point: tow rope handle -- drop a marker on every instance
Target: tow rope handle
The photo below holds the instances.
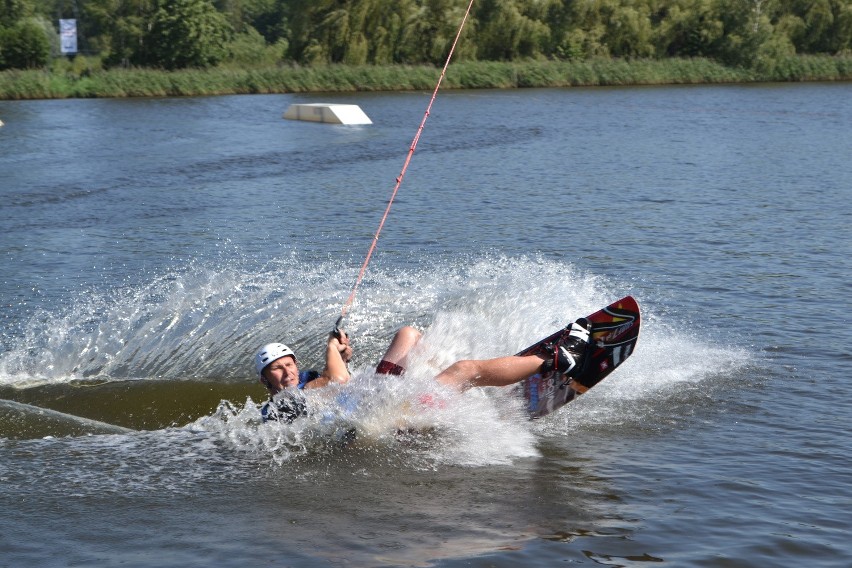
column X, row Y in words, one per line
column 337, row 332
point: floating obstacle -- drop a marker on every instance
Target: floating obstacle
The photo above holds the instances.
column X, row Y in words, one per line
column 330, row 113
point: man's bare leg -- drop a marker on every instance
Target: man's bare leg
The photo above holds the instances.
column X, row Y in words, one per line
column 499, row 372
column 396, row 357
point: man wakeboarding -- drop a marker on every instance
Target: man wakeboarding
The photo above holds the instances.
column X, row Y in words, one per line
column 278, row 368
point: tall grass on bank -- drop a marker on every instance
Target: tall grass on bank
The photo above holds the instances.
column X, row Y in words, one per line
column 463, row 75
column 594, row 72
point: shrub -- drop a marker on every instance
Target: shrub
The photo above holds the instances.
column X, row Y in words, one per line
column 24, row 45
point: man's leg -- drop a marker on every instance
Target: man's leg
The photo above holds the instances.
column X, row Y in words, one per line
column 566, row 357
column 499, row 372
column 394, row 360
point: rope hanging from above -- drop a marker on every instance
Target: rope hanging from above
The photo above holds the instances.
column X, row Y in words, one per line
column 399, row 178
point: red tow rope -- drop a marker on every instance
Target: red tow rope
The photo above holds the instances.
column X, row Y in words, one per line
column 402, row 173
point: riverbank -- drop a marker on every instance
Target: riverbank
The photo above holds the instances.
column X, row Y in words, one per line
column 19, row 85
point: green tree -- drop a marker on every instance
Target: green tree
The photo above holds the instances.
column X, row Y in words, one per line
column 827, row 25
column 182, row 33
column 747, row 32
column 268, row 17
column 249, row 49
column 13, row 10
column 690, row 28
column 444, row 17
column 509, row 29
column 843, row 26
column 373, row 31
column 582, row 28
column 95, row 24
column 186, row 33
column 819, row 20
column 117, row 28
column 629, row 33
column 24, row 45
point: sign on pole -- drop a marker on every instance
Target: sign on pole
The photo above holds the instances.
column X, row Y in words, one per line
column 68, row 36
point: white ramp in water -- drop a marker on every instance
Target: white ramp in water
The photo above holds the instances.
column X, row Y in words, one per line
column 331, row 113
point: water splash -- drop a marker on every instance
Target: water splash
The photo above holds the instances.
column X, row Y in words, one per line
column 193, row 324
column 204, row 323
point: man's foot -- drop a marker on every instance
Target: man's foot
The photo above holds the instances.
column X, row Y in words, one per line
column 568, row 355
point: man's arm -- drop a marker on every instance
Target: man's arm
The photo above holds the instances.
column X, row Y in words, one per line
column 338, row 352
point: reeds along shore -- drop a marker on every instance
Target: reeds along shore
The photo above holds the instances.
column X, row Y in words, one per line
column 34, row 84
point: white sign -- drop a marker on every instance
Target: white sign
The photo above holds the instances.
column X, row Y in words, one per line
column 68, row 36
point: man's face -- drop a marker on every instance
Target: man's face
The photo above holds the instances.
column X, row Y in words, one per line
column 281, row 374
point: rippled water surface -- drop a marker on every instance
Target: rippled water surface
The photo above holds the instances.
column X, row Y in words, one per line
column 147, row 247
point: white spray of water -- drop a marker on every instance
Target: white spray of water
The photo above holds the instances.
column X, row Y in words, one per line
column 206, row 322
column 201, row 322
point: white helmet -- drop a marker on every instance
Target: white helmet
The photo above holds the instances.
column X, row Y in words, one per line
column 269, row 353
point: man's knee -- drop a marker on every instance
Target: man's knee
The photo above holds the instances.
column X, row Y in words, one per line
column 408, row 335
column 394, row 360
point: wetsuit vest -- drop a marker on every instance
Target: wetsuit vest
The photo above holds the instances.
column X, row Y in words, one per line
column 287, row 406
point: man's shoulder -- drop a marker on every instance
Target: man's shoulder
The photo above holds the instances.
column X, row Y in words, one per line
column 307, row 376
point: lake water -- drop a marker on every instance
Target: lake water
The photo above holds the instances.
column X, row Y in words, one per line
column 148, row 247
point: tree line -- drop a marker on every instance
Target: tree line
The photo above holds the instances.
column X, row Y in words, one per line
column 174, row 34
